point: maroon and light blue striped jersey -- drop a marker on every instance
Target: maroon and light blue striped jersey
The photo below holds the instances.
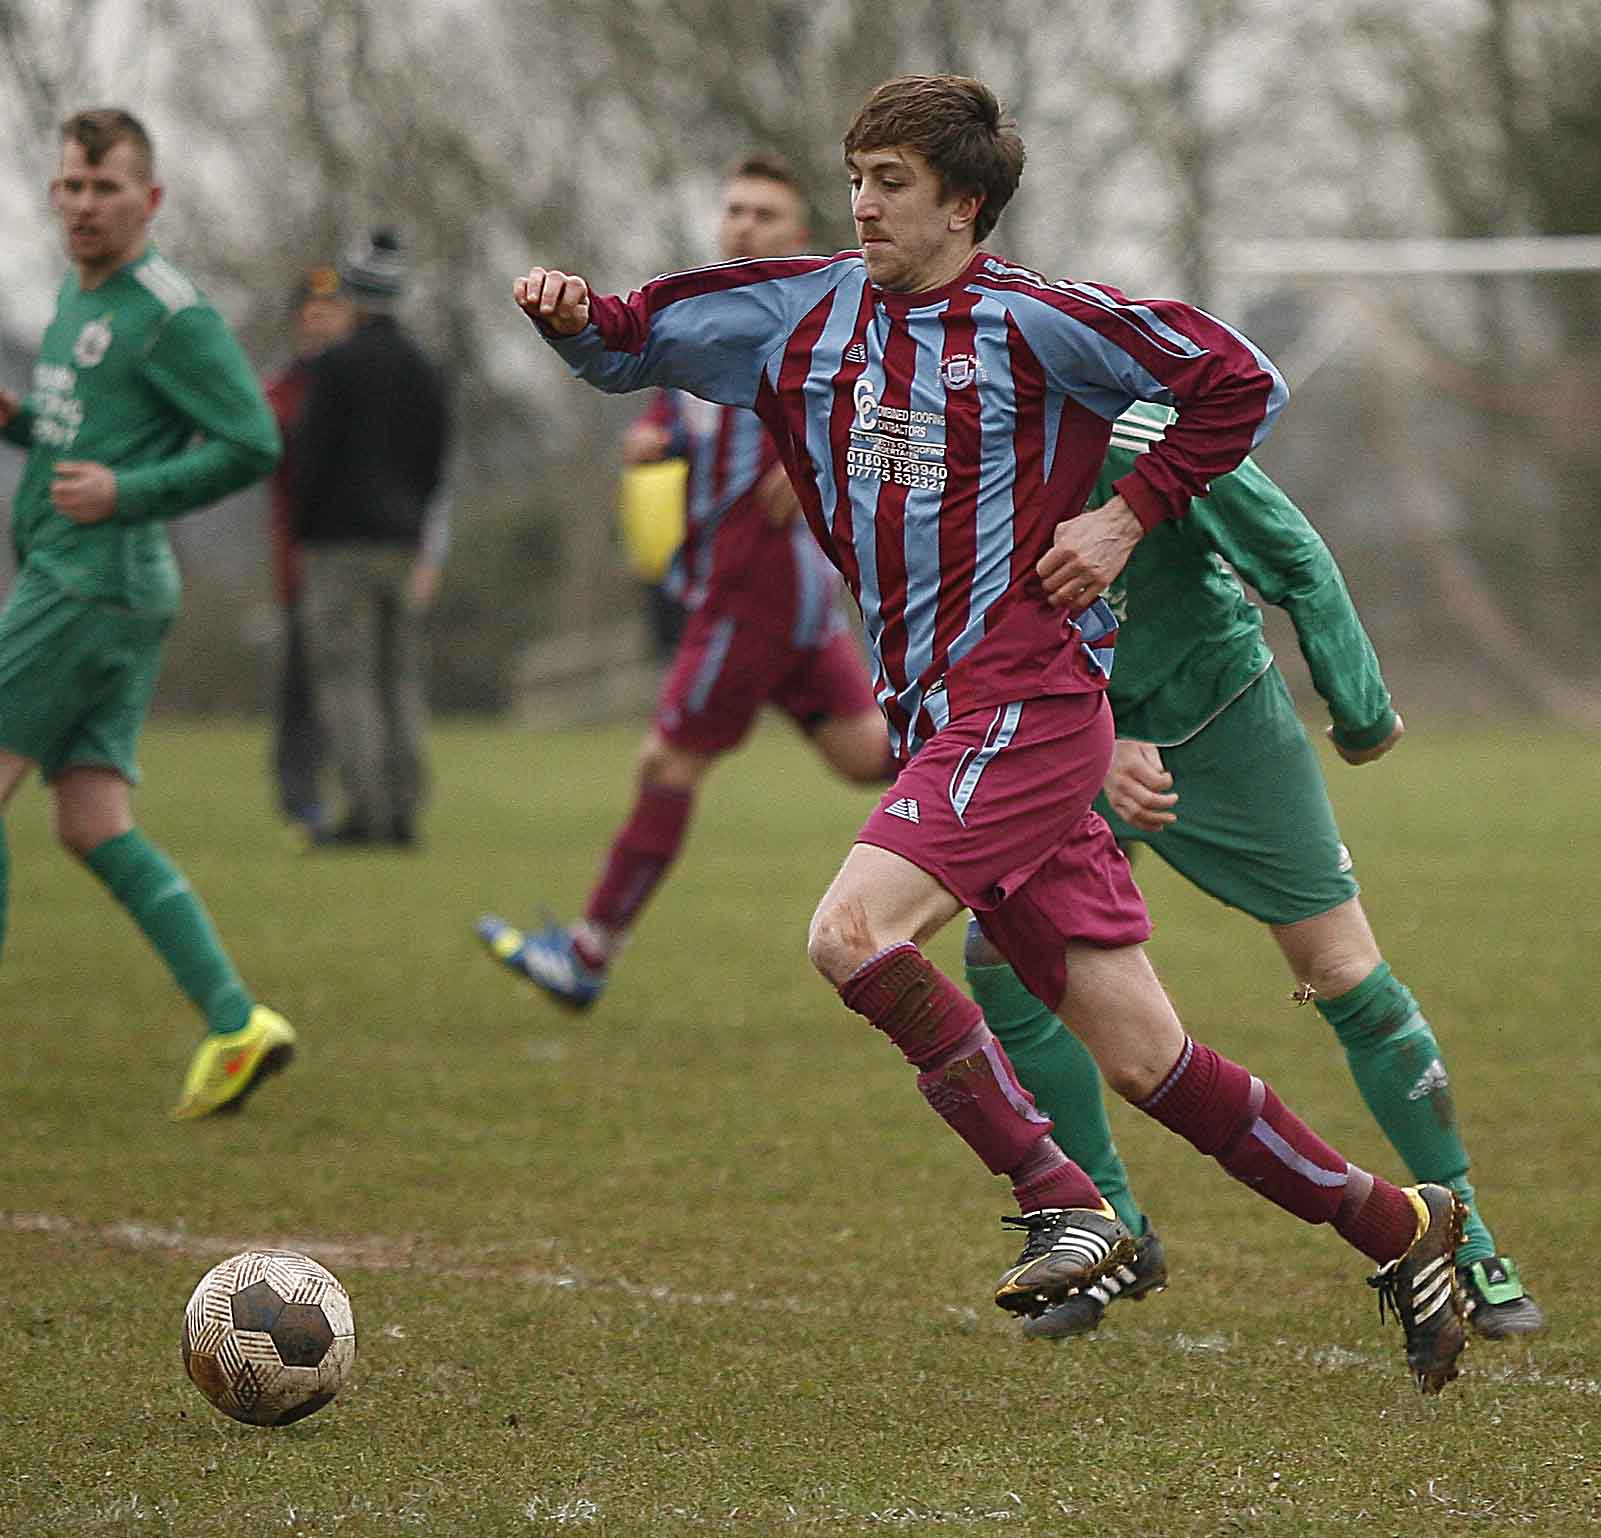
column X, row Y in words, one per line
column 936, row 440
column 733, row 558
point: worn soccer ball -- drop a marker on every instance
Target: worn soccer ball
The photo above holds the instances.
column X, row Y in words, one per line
column 268, row 1336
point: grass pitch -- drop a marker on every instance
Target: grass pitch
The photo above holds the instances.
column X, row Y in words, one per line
column 700, row 1261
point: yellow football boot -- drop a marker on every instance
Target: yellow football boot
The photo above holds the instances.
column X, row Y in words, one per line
column 227, row 1068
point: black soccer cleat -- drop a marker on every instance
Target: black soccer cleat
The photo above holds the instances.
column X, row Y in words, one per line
column 1422, row 1291
column 1082, row 1311
column 1067, row 1248
column 1498, row 1307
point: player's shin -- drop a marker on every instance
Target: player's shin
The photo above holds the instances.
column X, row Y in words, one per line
column 1235, row 1117
column 160, row 900
column 965, row 1076
column 1058, row 1071
column 640, row 856
column 1397, row 1065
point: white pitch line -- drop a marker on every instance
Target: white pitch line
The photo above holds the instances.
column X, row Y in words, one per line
column 376, row 1254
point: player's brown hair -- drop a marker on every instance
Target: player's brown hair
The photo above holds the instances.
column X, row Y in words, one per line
column 768, row 167
column 97, row 129
column 958, row 126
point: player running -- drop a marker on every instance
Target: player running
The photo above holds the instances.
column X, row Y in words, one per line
column 143, row 407
column 1214, row 772
column 763, row 625
column 939, row 412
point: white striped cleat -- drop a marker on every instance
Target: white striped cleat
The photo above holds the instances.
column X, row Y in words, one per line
column 1067, row 1248
column 1423, row 1291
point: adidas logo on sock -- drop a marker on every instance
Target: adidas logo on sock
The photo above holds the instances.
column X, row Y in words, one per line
column 1433, row 1078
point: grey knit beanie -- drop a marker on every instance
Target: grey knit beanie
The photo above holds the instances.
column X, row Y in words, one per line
column 375, row 270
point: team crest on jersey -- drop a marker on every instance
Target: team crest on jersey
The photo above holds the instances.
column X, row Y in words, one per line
column 93, row 343
column 960, row 370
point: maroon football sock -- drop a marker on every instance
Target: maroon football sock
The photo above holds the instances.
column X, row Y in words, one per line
column 645, row 846
column 965, row 1076
column 1230, row 1114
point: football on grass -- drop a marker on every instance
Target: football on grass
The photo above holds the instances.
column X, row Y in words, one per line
column 268, row 1336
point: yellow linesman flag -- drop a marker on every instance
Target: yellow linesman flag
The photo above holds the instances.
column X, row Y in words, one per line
column 650, row 510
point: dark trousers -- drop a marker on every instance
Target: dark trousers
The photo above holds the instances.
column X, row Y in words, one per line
column 298, row 746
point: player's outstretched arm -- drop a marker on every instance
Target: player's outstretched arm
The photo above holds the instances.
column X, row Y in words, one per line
column 558, row 301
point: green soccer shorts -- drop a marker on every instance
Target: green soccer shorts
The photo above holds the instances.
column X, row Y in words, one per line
column 1255, row 828
column 76, row 677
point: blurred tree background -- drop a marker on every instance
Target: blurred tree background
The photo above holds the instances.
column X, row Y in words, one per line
column 1444, row 432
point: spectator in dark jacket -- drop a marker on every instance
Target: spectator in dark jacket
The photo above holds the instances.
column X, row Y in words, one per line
column 369, row 465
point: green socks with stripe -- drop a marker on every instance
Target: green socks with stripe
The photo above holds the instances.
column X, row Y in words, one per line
column 1396, row 1063
column 158, row 896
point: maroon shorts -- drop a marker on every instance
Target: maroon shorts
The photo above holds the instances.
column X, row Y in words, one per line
column 728, row 666
column 996, row 808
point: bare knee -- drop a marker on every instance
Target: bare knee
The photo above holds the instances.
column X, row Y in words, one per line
column 1333, row 951
column 82, row 830
column 1337, row 966
column 90, row 806
column 840, row 938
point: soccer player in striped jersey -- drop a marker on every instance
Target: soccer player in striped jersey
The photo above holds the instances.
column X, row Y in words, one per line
column 143, row 407
column 943, row 415
column 1213, row 771
column 763, row 625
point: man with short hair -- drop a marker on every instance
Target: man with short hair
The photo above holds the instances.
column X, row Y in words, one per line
column 142, row 408
column 943, row 416
column 762, row 625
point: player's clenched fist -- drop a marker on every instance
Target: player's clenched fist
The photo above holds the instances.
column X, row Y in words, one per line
column 559, row 301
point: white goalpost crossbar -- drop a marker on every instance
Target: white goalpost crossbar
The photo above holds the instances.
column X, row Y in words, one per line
column 1321, row 258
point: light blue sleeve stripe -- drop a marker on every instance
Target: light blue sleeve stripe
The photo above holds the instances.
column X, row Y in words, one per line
column 1186, row 347
column 1081, row 362
column 1177, row 343
column 714, row 345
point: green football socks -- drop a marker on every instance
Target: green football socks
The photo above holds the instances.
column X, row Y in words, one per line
column 158, row 896
column 1055, row 1067
column 1396, row 1063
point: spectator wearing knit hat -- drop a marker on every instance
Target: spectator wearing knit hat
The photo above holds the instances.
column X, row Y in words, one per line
column 369, row 468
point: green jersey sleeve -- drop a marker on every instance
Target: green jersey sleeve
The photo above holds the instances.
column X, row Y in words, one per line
column 1270, row 543
column 197, row 367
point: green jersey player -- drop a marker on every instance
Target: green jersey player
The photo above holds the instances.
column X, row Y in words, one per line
column 1213, row 771
column 142, row 407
